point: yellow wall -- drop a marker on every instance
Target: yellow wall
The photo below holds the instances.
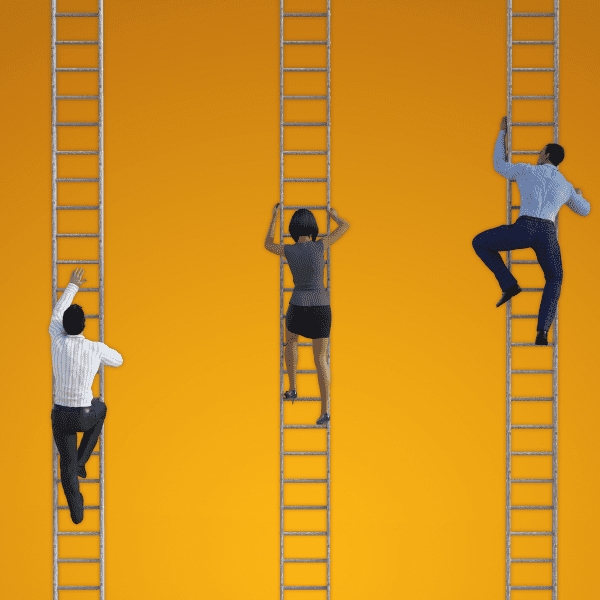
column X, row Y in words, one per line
column 192, row 302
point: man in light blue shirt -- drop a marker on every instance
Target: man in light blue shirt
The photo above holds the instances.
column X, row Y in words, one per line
column 543, row 191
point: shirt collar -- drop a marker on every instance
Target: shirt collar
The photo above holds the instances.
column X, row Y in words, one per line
column 76, row 336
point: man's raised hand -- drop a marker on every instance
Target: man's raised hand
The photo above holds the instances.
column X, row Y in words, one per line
column 76, row 277
column 503, row 123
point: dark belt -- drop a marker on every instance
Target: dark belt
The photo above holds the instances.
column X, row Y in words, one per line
column 537, row 219
column 69, row 408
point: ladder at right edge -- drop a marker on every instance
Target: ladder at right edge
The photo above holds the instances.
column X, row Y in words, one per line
column 303, row 181
column 553, row 372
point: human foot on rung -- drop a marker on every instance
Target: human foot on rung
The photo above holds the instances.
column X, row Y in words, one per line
column 291, row 394
column 508, row 294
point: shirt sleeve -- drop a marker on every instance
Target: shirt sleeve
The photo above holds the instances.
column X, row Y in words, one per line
column 578, row 204
column 502, row 166
column 110, row 357
column 56, row 325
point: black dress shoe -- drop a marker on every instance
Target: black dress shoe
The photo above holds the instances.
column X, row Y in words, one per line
column 509, row 293
column 542, row 338
column 77, row 514
column 81, row 472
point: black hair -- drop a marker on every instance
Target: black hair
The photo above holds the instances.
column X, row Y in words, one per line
column 74, row 320
column 556, row 153
column 303, row 223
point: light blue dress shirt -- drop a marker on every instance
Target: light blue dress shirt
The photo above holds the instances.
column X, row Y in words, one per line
column 75, row 359
column 543, row 188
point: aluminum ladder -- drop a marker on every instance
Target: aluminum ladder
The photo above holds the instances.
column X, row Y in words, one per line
column 100, row 290
column 510, row 344
column 283, row 180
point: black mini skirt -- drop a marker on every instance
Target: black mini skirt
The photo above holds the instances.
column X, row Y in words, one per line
column 311, row 322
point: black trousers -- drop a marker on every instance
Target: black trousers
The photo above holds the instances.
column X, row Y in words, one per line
column 526, row 232
column 66, row 422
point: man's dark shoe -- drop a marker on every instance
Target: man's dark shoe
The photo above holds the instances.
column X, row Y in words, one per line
column 509, row 293
column 77, row 514
column 542, row 338
column 81, row 472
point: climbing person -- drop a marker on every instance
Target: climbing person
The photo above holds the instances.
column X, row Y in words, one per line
column 543, row 191
column 75, row 362
column 309, row 310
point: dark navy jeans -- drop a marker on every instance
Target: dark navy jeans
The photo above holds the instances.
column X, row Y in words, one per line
column 66, row 422
column 525, row 232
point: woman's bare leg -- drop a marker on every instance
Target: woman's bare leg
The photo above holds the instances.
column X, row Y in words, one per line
column 291, row 356
column 323, row 373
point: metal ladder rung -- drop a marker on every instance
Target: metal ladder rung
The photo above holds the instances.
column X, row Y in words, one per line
column 306, row 98
column 305, row 152
column 531, row 560
column 77, row 262
column 305, row 179
column 78, row 42
column 309, row 207
column 540, row 124
column 59, row 180
column 523, row 316
column 309, row 124
column 533, row 69
column 304, row 371
column 305, row 453
column 532, row 507
column 532, row 98
column 77, row 235
column 77, row 97
column 301, row 507
column 76, row 69
column 78, row 533
column 532, row 480
column 531, row 587
column 550, row 344
column 82, row 290
column 523, row 152
column 532, row 289
column 78, row 587
column 532, row 426
column 85, row 507
column 524, row 262
column 79, row 560
column 532, row 371
column 76, row 14
column 305, row 481
column 531, row 533
column 77, row 152
column 81, row 480
column 532, row 453
column 304, row 533
column 87, row 124
column 535, row 43
column 533, row 399
column 305, row 560
column 304, row 14
column 302, row 399
column 305, row 43
column 305, row 69
column 305, row 587
column 532, row 14
column 318, row 235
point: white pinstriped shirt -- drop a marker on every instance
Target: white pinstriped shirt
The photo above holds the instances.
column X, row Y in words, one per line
column 543, row 188
column 75, row 360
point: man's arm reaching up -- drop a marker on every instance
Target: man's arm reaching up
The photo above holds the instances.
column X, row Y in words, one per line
column 577, row 203
column 56, row 325
column 501, row 165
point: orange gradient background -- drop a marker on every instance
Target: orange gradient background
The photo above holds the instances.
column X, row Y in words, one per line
column 192, row 300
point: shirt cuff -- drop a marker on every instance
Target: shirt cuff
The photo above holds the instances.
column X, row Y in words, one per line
column 74, row 285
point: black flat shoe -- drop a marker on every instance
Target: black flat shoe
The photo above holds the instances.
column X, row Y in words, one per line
column 323, row 420
column 81, row 472
column 291, row 394
column 508, row 294
column 542, row 338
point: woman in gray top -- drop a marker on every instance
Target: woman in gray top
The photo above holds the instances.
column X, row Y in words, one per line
column 309, row 311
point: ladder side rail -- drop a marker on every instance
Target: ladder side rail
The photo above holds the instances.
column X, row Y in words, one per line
column 555, row 341
column 508, row 147
column 281, row 292
column 329, row 291
column 54, row 299
column 101, row 276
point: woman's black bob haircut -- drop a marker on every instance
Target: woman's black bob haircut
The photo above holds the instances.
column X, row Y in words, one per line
column 556, row 153
column 303, row 223
column 74, row 320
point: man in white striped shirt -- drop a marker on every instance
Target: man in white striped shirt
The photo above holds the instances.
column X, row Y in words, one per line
column 75, row 362
column 543, row 191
